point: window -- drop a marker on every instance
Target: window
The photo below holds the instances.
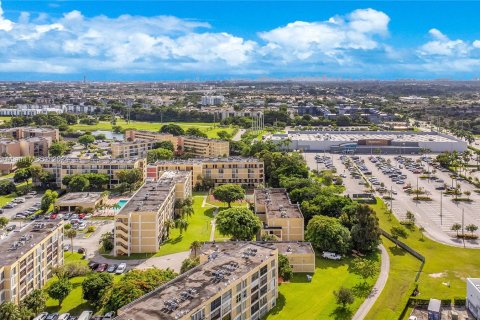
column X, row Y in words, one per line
column 199, row 315
column 216, row 303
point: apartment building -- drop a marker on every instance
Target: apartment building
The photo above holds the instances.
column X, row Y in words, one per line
column 300, row 255
column 129, row 149
column 35, row 146
column 280, row 217
column 198, row 146
column 27, row 258
column 31, row 132
column 235, row 280
column 140, row 225
column 60, row 167
column 8, row 164
column 244, row 171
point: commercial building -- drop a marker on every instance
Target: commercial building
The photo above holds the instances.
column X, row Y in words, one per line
column 28, row 256
column 60, row 167
column 235, row 280
column 370, row 142
column 31, row 132
column 140, row 226
column 280, row 217
column 473, row 296
column 202, row 147
column 244, row 171
column 85, row 200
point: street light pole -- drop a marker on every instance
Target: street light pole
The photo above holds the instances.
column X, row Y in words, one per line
column 441, row 207
column 463, row 233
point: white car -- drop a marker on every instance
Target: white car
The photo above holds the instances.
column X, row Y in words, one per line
column 121, row 268
column 81, row 227
column 331, row 255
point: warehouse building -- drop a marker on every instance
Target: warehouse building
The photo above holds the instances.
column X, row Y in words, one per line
column 370, row 142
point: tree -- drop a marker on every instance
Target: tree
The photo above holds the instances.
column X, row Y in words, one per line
column 22, row 175
column 224, row 135
column 7, row 187
column 71, row 234
column 48, row 199
column 456, row 227
column 41, row 176
column 181, row 224
column 78, row 183
column 240, row 223
column 86, row 139
column 159, row 154
column 164, row 145
column 364, row 268
column 171, row 128
column 285, row 270
column 10, row 311
column 107, row 241
column 471, row 228
column 35, row 301
column 58, row 149
column 398, row 232
column 59, row 290
column 468, row 194
column 366, row 231
column 194, row 246
column 192, row 131
column 328, row 234
column 3, row 222
column 188, row 264
column 131, row 178
column 410, row 216
column 344, row 296
column 229, row 193
column 93, row 286
column 25, row 162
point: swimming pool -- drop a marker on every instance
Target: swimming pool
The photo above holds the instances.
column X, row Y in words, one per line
column 122, row 203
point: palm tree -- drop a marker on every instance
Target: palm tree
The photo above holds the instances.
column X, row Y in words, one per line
column 456, row 227
column 194, row 246
column 116, row 206
column 71, row 234
column 422, row 230
column 181, row 224
column 187, row 210
column 169, row 224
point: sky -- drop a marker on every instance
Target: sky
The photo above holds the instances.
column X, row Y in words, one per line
column 224, row 40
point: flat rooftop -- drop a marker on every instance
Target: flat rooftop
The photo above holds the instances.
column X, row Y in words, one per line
column 227, row 262
column 291, row 247
column 134, row 142
column 87, row 161
column 150, row 197
column 353, row 136
column 19, row 241
column 76, row 197
column 277, row 203
column 207, row 160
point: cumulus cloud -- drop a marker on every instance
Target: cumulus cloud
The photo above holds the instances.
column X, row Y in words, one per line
column 441, row 45
column 5, row 24
column 332, row 38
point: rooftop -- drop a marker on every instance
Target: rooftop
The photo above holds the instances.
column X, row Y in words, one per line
column 346, row 136
column 291, row 247
column 207, row 160
column 134, row 142
column 226, row 263
column 150, row 197
column 76, row 197
column 86, row 161
column 277, row 203
column 19, row 241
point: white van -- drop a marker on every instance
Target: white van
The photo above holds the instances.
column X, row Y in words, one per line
column 331, row 255
column 86, row 315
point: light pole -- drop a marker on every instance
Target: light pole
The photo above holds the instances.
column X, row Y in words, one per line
column 391, row 199
column 463, row 233
column 441, row 207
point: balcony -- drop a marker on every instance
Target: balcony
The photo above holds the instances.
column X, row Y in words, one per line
column 121, row 232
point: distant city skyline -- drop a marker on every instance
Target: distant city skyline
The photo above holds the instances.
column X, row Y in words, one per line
column 202, row 40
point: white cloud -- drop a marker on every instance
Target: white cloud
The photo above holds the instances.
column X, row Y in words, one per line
column 476, row 44
column 331, row 38
column 5, row 24
column 441, row 45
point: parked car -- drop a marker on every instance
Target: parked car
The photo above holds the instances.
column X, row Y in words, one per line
column 85, row 315
column 53, row 216
column 81, row 250
column 112, row 268
column 82, row 226
column 11, row 227
column 121, row 268
column 331, row 255
column 41, row 316
column 93, row 265
column 52, row 316
column 66, row 247
column 101, row 267
column 64, row 316
column 72, row 318
column 109, row 315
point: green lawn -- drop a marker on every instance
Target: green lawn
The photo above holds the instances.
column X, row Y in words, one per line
column 444, row 265
column 300, row 299
column 208, row 128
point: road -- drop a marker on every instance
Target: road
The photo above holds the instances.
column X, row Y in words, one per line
column 238, row 135
column 377, row 288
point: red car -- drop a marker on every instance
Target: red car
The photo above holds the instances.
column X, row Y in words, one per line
column 81, row 215
column 53, row 216
column 101, row 267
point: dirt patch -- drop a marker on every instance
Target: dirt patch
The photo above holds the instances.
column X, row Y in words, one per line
column 437, row 275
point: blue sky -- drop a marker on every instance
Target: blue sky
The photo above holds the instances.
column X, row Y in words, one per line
column 201, row 40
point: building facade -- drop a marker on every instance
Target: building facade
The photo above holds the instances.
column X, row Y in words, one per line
column 31, row 132
column 132, row 135
column 235, row 280
column 129, row 149
column 140, row 226
column 473, row 296
column 60, row 167
column 248, row 172
column 28, row 257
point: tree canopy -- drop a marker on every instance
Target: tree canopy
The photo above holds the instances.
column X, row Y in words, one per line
column 159, row 154
column 240, row 223
column 328, row 234
column 172, row 128
column 229, row 193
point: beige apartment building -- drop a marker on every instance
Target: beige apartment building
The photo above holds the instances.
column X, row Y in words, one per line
column 60, row 167
column 27, row 258
column 279, row 216
column 130, row 149
column 201, row 147
column 140, row 226
column 36, row 146
column 31, row 132
column 8, row 164
column 244, row 171
column 235, row 280
column 300, row 255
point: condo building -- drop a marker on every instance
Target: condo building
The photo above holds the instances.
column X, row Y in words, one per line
column 35, row 146
column 132, row 135
column 140, row 226
column 235, row 280
column 28, row 256
column 280, row 217
column 31, row 132
column 244, row 171
column 130, row 149
column 60, row 167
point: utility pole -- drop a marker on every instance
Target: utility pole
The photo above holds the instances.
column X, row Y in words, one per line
column 463, row 221
column 441, row 207
column 391, row 199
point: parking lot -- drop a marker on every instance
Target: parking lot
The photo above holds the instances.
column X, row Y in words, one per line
column 437, row 215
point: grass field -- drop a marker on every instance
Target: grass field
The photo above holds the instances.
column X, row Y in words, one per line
column 300, row 299
column 208, row 128
column 443, row 276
